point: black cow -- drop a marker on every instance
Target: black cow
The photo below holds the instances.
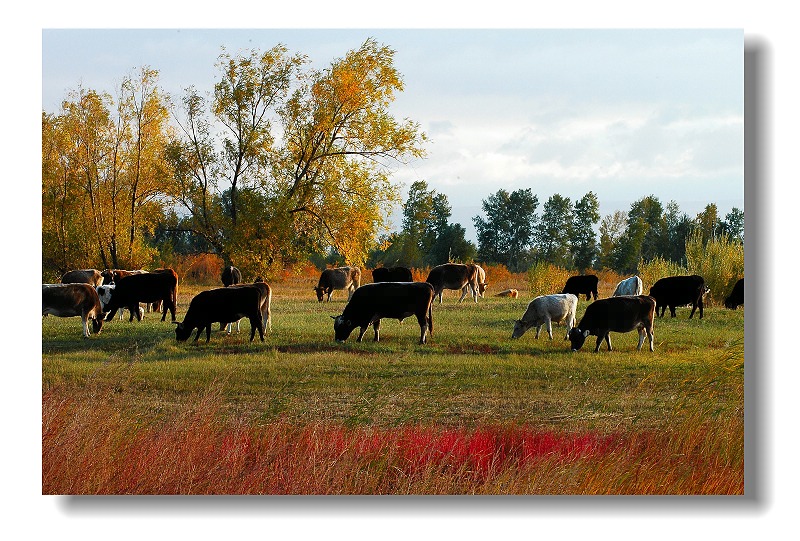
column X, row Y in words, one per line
column 454, row 276
column 736, row 298
column 230, row 276
column 348, row 278
column 222, row 305
column 392, row 274
column 265, row 301
column 68, row 300
column 676, row 291
column 92, row 277
column 617, row 314
column 149, row 287
column 394, row 300
column 582, row 285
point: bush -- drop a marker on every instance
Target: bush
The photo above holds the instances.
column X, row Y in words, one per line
column 720, row 262
column 546, row 278
column 657, row 268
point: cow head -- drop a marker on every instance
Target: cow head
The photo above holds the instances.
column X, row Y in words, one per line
column 182, row 332
column 577, row 337
column 519, row 329
column 320, row 291
column 97, row 324
column 104, row 293
column 481, row 288
column 342, row 328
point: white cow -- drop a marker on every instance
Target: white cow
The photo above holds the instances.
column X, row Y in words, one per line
column 629, row 286
column 546, row 309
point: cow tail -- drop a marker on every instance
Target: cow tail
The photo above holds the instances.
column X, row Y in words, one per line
column 430, row 317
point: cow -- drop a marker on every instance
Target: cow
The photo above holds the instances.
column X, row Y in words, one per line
column 617, row 314
column 395, row 300
column 675, row 291
column 264, row 303
column 112, row 276
column 513, row 293
column 146, row 288
column 230, row 276
column 223, row 305
column 454, row 276
column 546, row 309
column 392, row 274
column 582, row 285
column 629, row 286
column 93, row 277
column 68, row 300
column 348, row 278
column 736, row 298
column 480, row 280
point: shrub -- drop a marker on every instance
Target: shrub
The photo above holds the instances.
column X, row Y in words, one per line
column 546, row 278
column 657, row 268
column 720, row 262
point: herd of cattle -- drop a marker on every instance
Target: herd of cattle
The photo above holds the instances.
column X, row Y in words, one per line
column 97, row 296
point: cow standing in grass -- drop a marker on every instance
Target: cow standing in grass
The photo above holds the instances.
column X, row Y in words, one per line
column 68, row 300
column 675, row 291
column 582, row 285
column 146, row 288
column 93, row 277
column 222, row 305
column 736, row 298
column 395, row 300
column 629, row 286
column 480, row 281
column 348, row 278
column 546, row 310
column 617, row 314
column 454, row 276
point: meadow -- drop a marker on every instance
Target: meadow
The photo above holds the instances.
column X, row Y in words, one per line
column 132, row 411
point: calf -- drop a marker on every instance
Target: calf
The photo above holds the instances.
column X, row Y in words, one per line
column 513, row 293
column 676, row 291
column 582, row 285
column 629, row 286
column 392, row 274
column 736, row 298
column 395, row 300
column 222, row 305
column 146, row 288
column 93, row 277
column 546, row 309
column 454, row 276
column 348, row 278
column 68, row 300
column 617, row 314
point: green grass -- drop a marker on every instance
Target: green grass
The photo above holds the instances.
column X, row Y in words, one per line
column 471, row 372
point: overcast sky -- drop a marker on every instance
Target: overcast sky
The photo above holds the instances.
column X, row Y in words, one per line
column 623, row 113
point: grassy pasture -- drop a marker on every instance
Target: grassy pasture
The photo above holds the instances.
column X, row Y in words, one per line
column 470, row 376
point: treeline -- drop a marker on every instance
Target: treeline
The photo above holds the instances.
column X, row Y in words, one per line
column 281, row 163
column 511, row 232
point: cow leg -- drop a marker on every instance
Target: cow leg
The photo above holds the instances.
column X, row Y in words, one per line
column 651, row 336
column 208, row 332
column 361, row 334
column 440, row 297
column 423, row 326
column 672, row 310
column 110, row 315
column 608, row 340
column 197, row 336
column 550, row 329
column 599, row 341
column 538, row 328
column 463, row 294
column 376, row 326
column 85, row 319
column 642, row 334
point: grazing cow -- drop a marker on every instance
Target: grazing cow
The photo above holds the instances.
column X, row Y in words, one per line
column 454, row 276
column 93, row 277
column 513, row 293
column 112, row 276
column 679, row 291
column 264, row 303
column 546, row 309
column 392, row 274
column 582, row 285
column 230, row 276
column 618, row 314
column 348, row 278
column 629, row 286
column 223, row 305
column 480, row 279
column 394, row 300
column 736, row 298
column 146, row 288
column 67, row 300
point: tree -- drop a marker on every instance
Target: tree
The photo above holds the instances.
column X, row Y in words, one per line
column 452, row 246
column 554, row 232
column 733, row 225
column 612, row 228
column 506, row 234
column 425, row 214
column 679, row 227
column 583, row 244
column 645, row 235
column 707, row 222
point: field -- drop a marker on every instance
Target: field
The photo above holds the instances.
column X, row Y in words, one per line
column 132, row 411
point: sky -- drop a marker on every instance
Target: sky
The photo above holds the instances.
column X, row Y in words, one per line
column 621, row 113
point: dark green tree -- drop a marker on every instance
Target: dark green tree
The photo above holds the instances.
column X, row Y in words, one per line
column 645, row 237
column 554, row 232
column 505, row 234
column 584, row 240
column 733, row 225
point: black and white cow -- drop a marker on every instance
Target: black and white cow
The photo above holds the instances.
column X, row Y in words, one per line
column 736, row 298
column 68, row 300
column 93, row 277
column 348, row 278
column 582, row 285
column 392, row 274
column 546, row 310
column 149, row 287
column 454, row 276
column 617, row 314
column 676, row 291
column 394, row 300
column 222, row 305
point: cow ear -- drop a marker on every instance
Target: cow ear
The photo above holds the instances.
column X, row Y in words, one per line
column 334, row 317
column 585, row 334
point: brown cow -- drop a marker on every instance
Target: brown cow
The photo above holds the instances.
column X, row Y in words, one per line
column 68, row 300
column 348, row 278
column 513, row 293
column 454, row 276
column 93, row 277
